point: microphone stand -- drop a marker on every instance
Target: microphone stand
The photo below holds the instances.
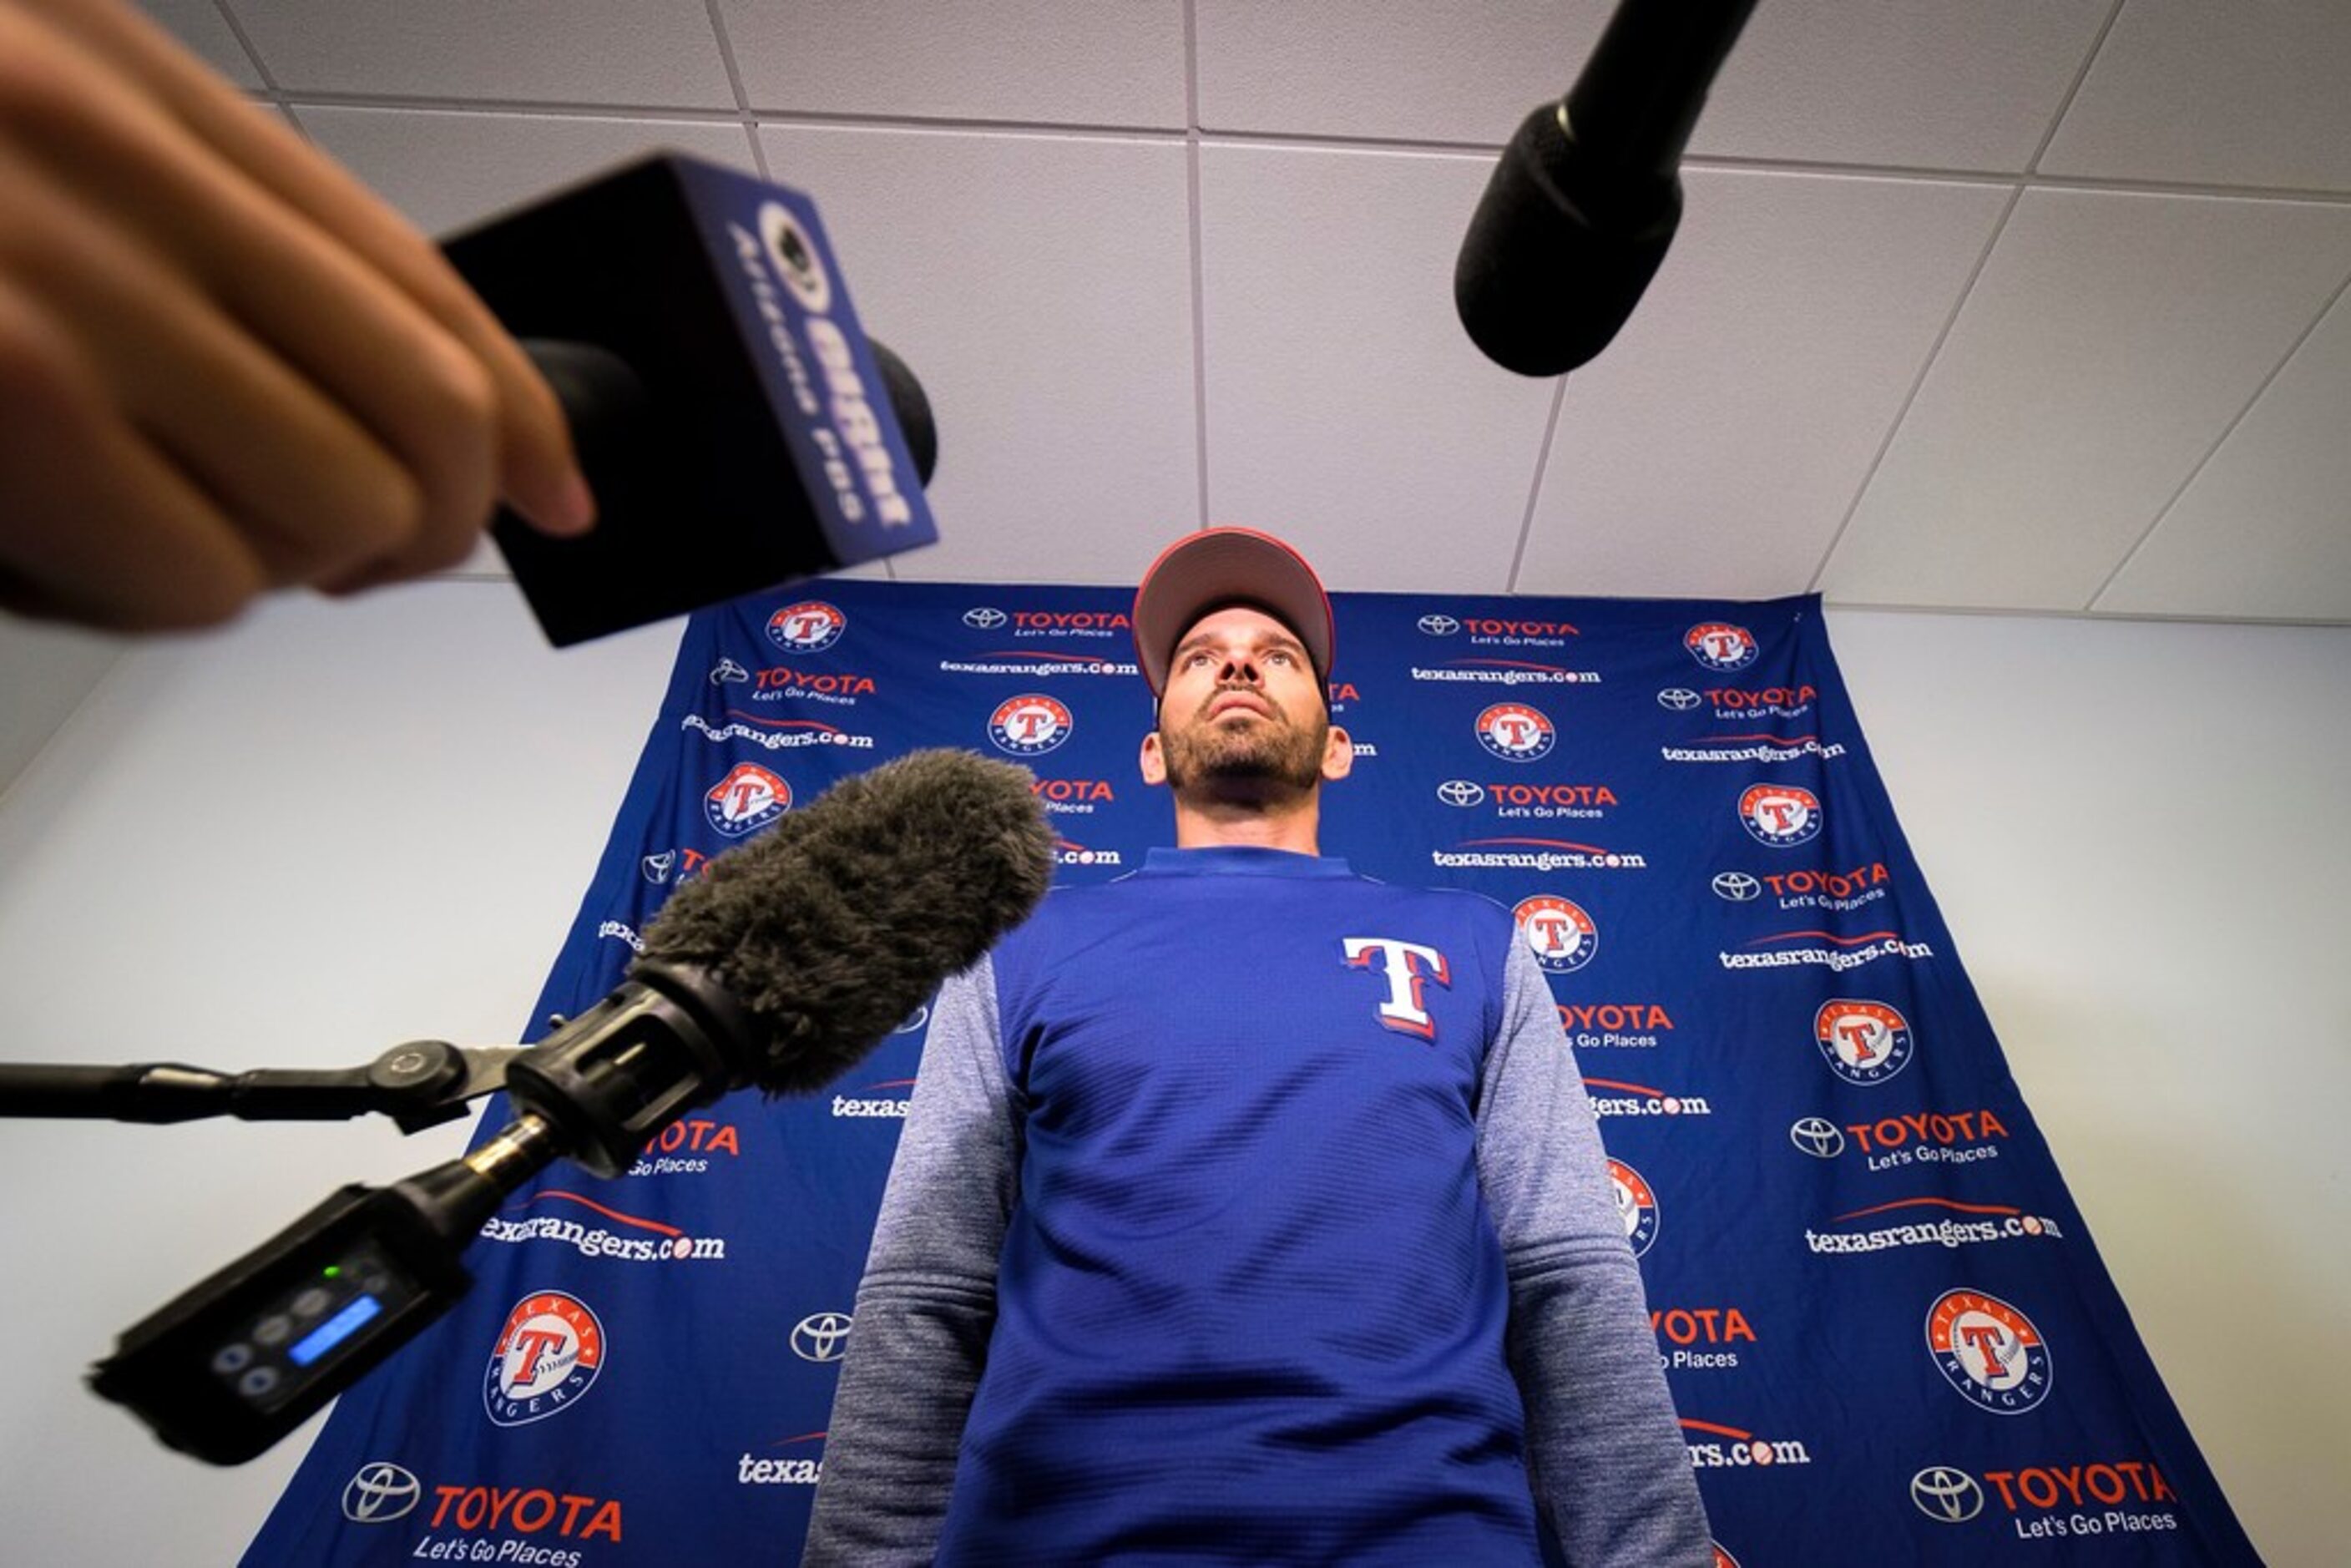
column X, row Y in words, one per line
column 234, row 1364
column 230, row 1365
column 420, row 1085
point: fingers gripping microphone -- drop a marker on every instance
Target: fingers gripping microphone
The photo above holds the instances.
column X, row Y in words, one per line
column 793, row 957
column 1585, row 202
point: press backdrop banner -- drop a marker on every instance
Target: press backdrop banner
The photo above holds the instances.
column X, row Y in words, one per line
column 1887, row 1331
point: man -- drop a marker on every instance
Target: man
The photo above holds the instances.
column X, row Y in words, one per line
column 1249, row 1211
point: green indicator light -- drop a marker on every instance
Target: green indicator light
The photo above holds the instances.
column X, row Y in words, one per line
column 334, row 1270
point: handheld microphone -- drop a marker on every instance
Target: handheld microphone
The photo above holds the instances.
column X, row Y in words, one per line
column 1581, row 207
column 792, row 958
column 735, row 423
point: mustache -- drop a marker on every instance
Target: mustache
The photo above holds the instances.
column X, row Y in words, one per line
column 1238, row 688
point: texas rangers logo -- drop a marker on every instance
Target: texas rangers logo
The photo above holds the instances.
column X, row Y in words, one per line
column 745, row 800
column 1719, row 645
column 1636, row 1205
column 1515, row 732
column 1864, row 1042
column 808, row 627
column 1780, row 815
column 1029, row 726
column 1405, row 965
column 1988, row 1351
column 1560, row 934
column 546, row 1357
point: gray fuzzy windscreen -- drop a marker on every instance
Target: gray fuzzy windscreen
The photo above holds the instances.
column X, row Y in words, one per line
column 835, row 924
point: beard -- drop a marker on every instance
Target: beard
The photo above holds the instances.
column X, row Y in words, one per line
column 1272, row 755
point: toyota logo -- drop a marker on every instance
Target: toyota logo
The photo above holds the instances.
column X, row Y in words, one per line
column 1680, row 699
column 1461, row 792
column 728, row 670
column 983, row 619
column 379, row 1493
column 1817, row 1137
column 821, row 1336
column 1945, row 1494
column 1736, row 886
column 1439, row 625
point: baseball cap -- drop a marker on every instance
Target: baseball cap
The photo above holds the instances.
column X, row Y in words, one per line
column 1224, row 566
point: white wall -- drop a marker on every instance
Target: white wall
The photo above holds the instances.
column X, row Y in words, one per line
column 340, row 826
column 333, row 828
column 2137, row 833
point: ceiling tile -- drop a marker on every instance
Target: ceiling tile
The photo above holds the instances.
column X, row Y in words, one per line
column 1911, row 83
column 1040, row 286
column 2108, row 343
column 645, row 53
column 2264, row 530
column 1716, row 445
column 1347, row 409
column 1921, row 84
column 1064, row 62
column 2236, row 95
column 1392, row 69
column 448, row 169
column 198, row 25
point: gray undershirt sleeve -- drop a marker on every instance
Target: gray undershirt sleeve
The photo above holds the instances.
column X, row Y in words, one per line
column 927, row 1302
column 1610, row 1468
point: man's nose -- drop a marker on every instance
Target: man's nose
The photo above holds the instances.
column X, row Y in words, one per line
column 1240, row 670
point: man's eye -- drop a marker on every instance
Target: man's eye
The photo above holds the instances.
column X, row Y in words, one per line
column 1278, row 656
column 1193, row 660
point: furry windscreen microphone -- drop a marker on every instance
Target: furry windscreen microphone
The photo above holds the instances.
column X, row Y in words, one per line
column 796, row 953
column 792, row 958
column 835, row 924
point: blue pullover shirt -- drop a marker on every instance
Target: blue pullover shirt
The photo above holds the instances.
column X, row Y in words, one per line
column 1252, row 1211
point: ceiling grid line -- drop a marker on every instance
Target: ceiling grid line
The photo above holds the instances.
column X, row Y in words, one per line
column 2073, row 92
column 2171, row 502
column 734, row 84
column 1198, row 257
column 2021, row 181
column 1534, row 488
column 260, row 69
column 1910, row 397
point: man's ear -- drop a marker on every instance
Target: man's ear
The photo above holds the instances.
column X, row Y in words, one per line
column 1155, row 763
column 1338, row 755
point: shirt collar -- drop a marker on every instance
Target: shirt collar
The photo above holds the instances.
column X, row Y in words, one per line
column 1240, row 860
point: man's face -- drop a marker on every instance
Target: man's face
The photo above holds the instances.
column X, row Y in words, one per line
column 1243, row 709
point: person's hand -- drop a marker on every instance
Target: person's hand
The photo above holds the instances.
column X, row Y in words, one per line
column 224, row 366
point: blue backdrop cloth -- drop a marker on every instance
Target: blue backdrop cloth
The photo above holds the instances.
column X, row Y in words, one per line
column 1887, row 1331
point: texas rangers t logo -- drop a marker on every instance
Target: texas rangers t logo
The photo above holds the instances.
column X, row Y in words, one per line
column 1405, row 965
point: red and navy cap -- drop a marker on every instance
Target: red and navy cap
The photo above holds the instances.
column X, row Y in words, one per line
column 1227, row 566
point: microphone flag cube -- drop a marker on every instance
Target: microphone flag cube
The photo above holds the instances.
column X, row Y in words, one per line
column 731, row 417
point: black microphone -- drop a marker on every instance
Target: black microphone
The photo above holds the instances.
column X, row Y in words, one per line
column 793, row 957
column 1587, row 195
column 737, row 426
